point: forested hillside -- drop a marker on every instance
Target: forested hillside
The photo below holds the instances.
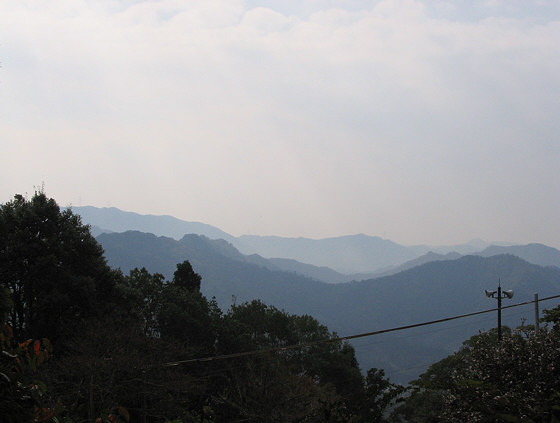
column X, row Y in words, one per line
column 430, row 291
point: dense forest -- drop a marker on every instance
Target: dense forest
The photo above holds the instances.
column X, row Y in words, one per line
column 82, row 342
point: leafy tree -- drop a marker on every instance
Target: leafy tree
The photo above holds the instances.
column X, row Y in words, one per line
column 113, row 365
column 379, row 395
column 514, row 380
column 53, row 267
column 121, row 359
column 186, row 317
column 426, row 395
column 186, row 277
column 308, row 384
column 552, row 316
column 143, row 293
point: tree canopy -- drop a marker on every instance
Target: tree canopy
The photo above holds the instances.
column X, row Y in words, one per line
column 142, row 348
column 53, row 267
column 516, row 379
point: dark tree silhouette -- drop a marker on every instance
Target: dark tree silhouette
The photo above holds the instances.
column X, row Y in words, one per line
column 186, row 277
column 53, row 267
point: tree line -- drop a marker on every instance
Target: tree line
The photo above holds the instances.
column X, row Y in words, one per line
column 82, row 342
column 112, row 337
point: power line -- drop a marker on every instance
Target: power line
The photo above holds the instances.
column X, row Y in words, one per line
column 346, row 338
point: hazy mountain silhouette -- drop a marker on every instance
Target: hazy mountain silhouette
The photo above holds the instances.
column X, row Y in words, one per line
column 473, row 246
column 96, row 230
column 332, row 260
column 534, row 253
column 347, row 255
column 111, row 219
column 161, row 254
column 426, row 258
column 320, row 273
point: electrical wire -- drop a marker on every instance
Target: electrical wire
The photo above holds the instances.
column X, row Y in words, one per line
column 347, row 338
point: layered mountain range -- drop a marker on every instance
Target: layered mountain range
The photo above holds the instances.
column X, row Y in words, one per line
column 352, row 257
column 406, row 285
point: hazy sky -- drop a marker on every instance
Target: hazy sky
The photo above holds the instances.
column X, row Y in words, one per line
column 421, row 122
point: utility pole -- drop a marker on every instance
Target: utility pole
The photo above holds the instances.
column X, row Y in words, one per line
column 499, row 311
column 499, row 295
column 536, row 313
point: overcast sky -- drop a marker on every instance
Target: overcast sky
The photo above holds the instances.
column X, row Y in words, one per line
column 420, row 122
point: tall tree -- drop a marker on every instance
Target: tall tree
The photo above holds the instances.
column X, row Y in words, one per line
column 53, row 267
column 311, row 384
column 379, row 396
column 186, row 277
column 143, row 293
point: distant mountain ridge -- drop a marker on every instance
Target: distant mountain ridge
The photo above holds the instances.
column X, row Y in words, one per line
column 426, row 258
column 347, row 255
column 540, row 254
column 112, row 219
column 333, row 260
column 320, row 273
column 171, row 251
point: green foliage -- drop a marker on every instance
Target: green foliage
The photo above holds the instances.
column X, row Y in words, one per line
column 115, row 365
column 186, row 277
column 121, row 358
column 186, row 317
column 316, row 383
column 143, row 292
column 515, row 380
column 552, row 315
column 23, row 397
column 380, row 394
column 53, row 267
